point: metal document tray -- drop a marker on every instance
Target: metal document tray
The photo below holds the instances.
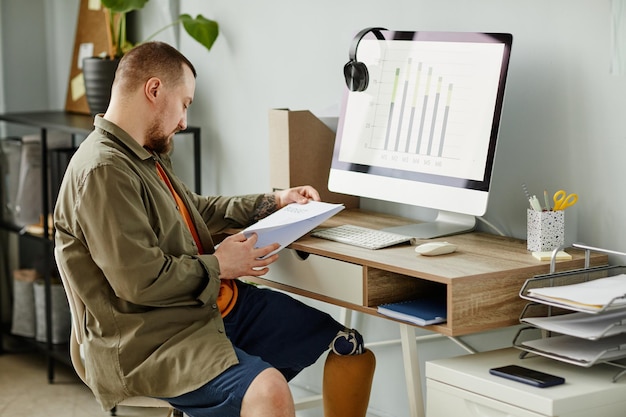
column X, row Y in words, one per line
column 576, row 276
column 608, row 343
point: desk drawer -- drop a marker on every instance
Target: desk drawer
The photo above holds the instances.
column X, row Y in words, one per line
column 327, row 277
column 447, row 401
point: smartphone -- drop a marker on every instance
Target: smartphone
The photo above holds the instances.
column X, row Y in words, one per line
column 527, row 376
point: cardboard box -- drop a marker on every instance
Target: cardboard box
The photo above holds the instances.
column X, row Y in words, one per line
column 301, row 150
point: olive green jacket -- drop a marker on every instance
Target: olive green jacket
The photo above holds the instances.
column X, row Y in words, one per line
column 151, row 326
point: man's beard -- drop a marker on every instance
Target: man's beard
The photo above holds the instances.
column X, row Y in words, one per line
column 157, row 140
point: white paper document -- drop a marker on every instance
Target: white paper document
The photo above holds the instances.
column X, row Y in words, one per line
column 581, row 350
column 583, row 325
column 291, row 222
column 591, row 295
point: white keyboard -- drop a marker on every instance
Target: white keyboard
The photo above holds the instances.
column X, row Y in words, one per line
column 361, row 236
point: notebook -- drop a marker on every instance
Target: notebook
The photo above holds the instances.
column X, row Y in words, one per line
column 423, row 311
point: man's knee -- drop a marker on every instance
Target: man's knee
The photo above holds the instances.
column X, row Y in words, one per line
column 269, row 392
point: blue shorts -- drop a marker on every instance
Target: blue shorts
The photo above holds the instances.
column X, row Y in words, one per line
column 267, row 329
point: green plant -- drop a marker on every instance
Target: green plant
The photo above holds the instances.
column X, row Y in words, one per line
column 201, row 29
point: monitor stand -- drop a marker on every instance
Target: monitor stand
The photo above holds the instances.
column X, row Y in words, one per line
column 447, row 223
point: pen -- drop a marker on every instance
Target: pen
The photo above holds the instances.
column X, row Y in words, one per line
column 546, row 200
column 534, row 203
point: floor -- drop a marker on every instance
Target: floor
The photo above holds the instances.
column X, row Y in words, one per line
column 25, row 392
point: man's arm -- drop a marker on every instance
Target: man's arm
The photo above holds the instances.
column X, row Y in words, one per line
column 237, row 255
column 266, row 206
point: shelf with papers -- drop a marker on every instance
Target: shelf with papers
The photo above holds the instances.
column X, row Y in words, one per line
column 578, row 324
column 574, row 350
column 576, row 290
column 44, row 128
column 581, row 314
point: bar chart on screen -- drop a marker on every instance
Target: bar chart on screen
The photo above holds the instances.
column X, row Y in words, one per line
column 420, row 106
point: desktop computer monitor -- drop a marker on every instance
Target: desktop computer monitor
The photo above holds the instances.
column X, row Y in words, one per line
column 424, row 131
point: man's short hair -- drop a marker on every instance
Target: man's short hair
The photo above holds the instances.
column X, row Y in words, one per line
column 151, row 59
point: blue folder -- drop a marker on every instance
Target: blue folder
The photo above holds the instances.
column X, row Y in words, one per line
column 423, row 311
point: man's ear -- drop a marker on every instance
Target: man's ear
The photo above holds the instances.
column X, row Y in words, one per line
column 153, row 88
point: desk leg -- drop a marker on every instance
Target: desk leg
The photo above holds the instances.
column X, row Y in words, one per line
column 345, row 317
column 412, row 370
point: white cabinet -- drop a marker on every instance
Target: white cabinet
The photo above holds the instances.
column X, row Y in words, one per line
column 462, row 386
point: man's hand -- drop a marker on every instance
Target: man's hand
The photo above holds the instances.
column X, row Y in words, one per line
column 300, row 195
column 238, row 257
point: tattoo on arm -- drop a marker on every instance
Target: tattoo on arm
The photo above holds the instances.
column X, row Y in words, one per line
column 265, row 207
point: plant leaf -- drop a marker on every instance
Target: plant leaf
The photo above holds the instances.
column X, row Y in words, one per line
column 203, row 30
column 123, row 6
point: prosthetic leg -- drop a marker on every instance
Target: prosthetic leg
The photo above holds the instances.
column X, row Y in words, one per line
column 348, row 375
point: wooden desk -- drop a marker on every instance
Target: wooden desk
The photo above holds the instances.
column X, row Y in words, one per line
column 481, row 279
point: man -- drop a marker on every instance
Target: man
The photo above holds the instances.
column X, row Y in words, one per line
column 165, row 314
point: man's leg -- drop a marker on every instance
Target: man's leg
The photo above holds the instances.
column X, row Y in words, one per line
column 348, row 374
column 290, row 336
column 268, row 396
column 252, row 388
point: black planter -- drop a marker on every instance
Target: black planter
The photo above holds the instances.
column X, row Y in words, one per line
column 98, row 74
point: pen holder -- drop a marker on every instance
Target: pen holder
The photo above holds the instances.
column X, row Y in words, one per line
column 546, row 230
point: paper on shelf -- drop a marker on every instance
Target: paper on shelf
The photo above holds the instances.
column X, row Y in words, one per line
column 581, row 350
column 583, row 325
column 591, row 295
column 291, row 222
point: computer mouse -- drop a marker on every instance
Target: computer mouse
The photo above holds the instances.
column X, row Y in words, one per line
column 435, row 248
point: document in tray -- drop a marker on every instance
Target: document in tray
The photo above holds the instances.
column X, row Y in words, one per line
column 590, row 295
column 581, row 350
column 583, row 325
column 291, row 222
column 423, row 311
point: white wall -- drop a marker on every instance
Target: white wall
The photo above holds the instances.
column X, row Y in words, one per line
column 562, row 124
column 37, row 45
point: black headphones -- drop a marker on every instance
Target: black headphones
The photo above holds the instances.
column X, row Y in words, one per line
column 355, row 72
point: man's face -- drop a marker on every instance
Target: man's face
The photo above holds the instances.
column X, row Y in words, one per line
column 171, row 114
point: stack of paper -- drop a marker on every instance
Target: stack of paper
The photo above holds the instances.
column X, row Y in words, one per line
column 581, row 350
column 291, row 222
column 583, row 325
column 591, row 295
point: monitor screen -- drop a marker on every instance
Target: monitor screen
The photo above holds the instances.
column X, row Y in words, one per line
column 424, row 131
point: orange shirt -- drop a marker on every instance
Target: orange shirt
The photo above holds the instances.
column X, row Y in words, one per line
column 228, row 290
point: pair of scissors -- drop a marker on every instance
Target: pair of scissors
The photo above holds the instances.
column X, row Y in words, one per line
column 562, row 200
